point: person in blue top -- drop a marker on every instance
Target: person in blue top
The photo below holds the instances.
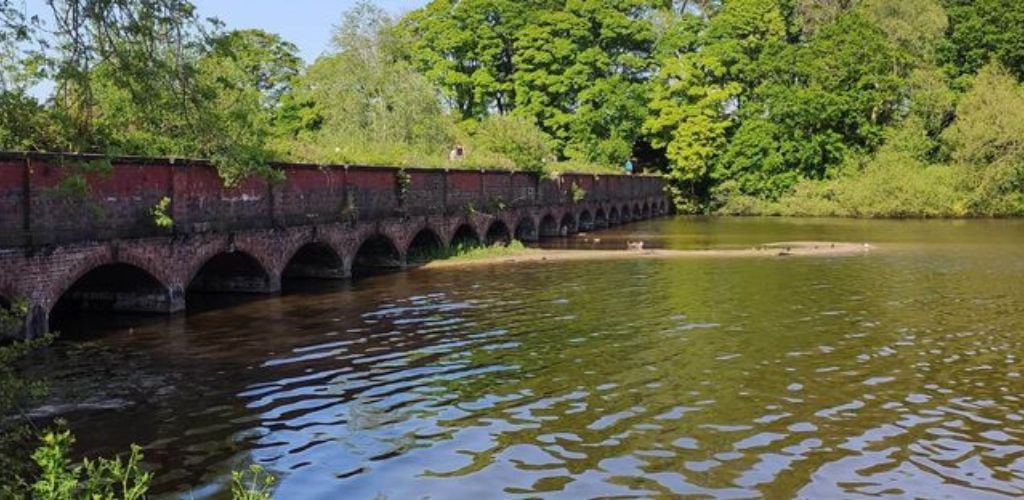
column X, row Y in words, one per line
column 628, row 166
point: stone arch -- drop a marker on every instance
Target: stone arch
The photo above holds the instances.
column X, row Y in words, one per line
column 664, row 207
column 376, row 253
column 568, row 225
column 548, row 226
column 526, row 229
column 426, row 245
column 97, row 259
column 626, row 214
column 586, row 221
column 498, row 233
column 465, row 235
column 600, row 218
column 645, row 212
column 637, row 213
column 314, row 260
column 613, row 216
column 233, row 271
column 112, row 287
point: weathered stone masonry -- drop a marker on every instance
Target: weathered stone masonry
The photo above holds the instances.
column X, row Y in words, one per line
column 100, row 247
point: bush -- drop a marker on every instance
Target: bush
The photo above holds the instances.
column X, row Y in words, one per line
column 99, row 479
column 900, row 187
column 514, row 137
column 987, row 143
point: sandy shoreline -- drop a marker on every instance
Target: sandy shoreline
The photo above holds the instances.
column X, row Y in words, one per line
column 774, row 250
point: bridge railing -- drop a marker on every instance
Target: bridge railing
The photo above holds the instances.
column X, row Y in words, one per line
column 53, row 199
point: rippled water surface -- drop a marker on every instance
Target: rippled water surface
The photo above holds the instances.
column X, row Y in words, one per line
column 898, row 372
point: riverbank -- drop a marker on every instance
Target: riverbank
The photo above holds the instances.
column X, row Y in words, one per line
column 772, row 250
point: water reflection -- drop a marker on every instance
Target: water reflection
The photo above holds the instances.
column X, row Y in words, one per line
column 894, row 373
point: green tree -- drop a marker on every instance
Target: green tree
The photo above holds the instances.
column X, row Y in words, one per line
column 244, row 77
column 514, row 138
column 812, row 15
column 916, row 26
column 365, row 103
column 125, row 72
column 150, row 77
column 578, row 67
column 267, row 63
column 987, row 142
column 982, row 31
column 697, row 93
column 850, row 87
column 25, row 123
column 466, row 48
column 582, row 71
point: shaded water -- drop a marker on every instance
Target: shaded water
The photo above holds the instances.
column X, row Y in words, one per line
column 898, row 372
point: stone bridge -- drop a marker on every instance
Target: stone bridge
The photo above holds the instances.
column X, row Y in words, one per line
column 81, row 233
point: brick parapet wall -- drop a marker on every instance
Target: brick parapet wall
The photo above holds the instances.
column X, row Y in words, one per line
column 37, row 208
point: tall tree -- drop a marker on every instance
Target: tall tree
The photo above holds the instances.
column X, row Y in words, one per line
column 816, row 103
column 364, row 101
column 698, row 92
column 981, row 31
column 466, row 47
column 25, row 124
column 577, row 67
column 139, row 53
column 582, row 73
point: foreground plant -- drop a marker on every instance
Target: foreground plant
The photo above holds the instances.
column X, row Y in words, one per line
column 94, row 479
column 253, row 484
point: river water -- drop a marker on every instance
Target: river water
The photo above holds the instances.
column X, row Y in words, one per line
column 898, row 372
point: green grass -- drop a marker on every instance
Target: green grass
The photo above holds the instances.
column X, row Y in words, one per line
column 465, row 252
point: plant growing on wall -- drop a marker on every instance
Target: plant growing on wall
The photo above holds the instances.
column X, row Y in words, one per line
column 402, row 183
column 75, row 184
column 349, row 212
column 159, row 212
column 496, row 205
column 577, row 193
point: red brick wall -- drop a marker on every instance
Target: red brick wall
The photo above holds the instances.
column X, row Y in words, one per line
column 118, row 205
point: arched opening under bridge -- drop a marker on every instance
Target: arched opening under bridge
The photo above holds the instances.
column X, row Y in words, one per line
column 111, row 288
column 315, row 260
column 377, row 254
column 586, row 221
column 498, row 234
column 465, row 237
column 232, row 272
column 568, row 225
column 526, row 230
column 549, row 227
column 425, row 246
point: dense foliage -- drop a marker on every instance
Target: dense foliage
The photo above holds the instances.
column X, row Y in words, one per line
column 748, row 106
